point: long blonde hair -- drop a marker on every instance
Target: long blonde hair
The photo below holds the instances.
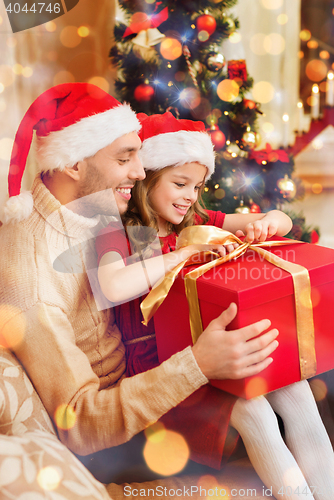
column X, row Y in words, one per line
column 141, row 213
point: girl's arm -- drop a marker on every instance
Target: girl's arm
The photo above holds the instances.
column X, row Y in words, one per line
column 120, row 282
column 258, row 226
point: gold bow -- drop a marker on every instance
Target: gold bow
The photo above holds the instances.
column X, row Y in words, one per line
column 210, row 235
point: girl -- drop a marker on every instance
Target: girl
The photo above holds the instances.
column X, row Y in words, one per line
column 178, row 156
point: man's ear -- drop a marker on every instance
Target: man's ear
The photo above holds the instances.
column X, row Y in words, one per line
column 77, row 171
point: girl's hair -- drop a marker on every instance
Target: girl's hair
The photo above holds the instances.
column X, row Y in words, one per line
column 140, row 212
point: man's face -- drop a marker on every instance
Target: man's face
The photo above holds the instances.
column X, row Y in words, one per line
column 116, row 167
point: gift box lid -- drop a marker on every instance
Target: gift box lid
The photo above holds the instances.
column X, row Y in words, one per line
column 251, row 280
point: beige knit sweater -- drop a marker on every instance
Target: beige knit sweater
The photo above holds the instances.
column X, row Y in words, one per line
column 73, row 352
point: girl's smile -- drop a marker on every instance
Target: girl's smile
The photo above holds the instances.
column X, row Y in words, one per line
column 176, row 191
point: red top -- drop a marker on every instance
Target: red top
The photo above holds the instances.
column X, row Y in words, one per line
column 143, row 355
column 203, row 418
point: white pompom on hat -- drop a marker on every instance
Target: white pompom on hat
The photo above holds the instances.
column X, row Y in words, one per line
column 168, row 141
column 72, row 121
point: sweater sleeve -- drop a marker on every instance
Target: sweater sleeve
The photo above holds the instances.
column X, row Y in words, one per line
column 89, row 418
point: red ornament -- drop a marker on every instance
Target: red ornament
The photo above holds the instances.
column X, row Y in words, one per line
column 255, row 209
column 206, row 23
column 217, row 137
column 249, row 104
column 314, row 236
column 143, row 93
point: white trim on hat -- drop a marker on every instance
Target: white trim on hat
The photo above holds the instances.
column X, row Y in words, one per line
column 178, row 148
column 85, row 138
column 17, row 208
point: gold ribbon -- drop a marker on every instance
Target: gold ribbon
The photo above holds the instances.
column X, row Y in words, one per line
column 211, row 235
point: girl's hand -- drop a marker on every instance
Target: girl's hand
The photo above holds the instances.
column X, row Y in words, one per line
column 259, row 230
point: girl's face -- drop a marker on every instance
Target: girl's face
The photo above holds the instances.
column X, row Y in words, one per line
column 175, row 192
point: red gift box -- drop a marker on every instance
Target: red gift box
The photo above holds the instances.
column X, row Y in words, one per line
column 261, row 291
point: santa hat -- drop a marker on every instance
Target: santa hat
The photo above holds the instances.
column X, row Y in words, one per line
column 168, row 141
column 72, row 121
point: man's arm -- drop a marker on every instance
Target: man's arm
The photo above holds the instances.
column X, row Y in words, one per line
column 105, row 417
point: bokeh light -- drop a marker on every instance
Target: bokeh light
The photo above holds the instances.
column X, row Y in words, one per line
column 6, row 75
column 170, row 48
column 155, row 432
column 27, row 72
column 268, row 127
column 319, row 389
column 317, row 144
column 305, row 35
column 282, row 19
column 101, row 82
column 324, row 54
column 12, row 332
column 312, row 44
column 272, row 4
column 323, row 87
column 203, row 36
column 3, row 105
column 17, row 69
column 180, row 76
column 290, row 481
column 168, row 455
column 50, row 26
column 235, row 37
column 228, row 90
column 263, row 92
column 316, row 188
column 65, row 417
column 315, row 297
column 256, row 386
column 257, row 44
column 316, row 70
column 300, row 54
column 190, row 98
column 69, row 37
column 219, row 194
column 83, row 31
column 63, row 77
column 49, row 478
column 274, row 44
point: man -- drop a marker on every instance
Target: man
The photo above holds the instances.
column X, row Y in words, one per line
column 87, row 143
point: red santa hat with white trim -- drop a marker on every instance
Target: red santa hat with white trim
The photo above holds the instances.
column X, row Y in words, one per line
column 72, row 121
column 168, row 141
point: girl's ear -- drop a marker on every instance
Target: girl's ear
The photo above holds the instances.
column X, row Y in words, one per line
column 77, row 171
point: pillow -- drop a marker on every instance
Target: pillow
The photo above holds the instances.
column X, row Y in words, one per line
column 21, row 409
column 37, row 465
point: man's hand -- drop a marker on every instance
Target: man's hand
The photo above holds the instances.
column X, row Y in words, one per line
column 234, row 354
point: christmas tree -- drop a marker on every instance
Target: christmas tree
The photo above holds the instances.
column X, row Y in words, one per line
column 170, row 56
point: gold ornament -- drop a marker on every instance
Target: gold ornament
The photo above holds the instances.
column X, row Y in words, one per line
column 242, row 209
column 230, row 25
column 287, row 187
column 215, row 61
column 249, row 140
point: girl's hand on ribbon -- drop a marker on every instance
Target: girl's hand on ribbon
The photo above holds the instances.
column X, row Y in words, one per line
column 234, row 354
column 259, row 230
